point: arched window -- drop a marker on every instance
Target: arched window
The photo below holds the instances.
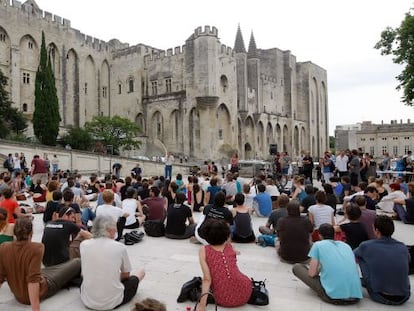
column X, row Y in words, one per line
column 224, row 83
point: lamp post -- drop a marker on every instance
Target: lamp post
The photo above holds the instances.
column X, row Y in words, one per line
column 110, row 149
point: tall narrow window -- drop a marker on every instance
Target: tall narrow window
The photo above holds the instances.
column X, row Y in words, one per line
column 119, row 88
column 154, row 87
column 30, row 45
column 131, row 85
column 168, row 85
column 2, row 37
column 372, row 150
column 24, row 107
column 384, row 149
column 395, row 150
column 104, row 91
column 86, row 88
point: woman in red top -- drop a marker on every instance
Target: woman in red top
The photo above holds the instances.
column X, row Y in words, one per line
column 10, row 205
column 230, row 287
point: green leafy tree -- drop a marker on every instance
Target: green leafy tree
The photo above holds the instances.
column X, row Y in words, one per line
column 399, row 42
column 119, row 132
column 46, row 116
column 11, row 120
column 78, row 138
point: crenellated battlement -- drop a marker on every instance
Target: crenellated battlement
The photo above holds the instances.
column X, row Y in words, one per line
column 268, row 78
column 208, row 31
column 224, row 49
column 161, row 54
column 29, row 9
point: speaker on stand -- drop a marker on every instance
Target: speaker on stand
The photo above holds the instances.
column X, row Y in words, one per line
column 273, row 149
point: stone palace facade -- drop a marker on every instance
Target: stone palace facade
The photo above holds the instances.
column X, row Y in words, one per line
column 202, row 99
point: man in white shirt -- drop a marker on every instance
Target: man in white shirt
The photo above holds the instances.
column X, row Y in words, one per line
column 169, row 160
column 341, row 163
column 107, row 209
column 106, row 269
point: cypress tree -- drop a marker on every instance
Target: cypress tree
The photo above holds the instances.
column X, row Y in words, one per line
column 46, row 116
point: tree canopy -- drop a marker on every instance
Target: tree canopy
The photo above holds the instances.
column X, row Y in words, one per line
column 78, row 138
column 11, row 119
column 46, row 116
column 119, row 132
column 399, row 42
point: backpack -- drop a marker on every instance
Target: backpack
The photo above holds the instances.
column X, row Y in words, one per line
column 6, row 163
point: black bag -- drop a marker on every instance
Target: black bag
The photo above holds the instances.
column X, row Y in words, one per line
column 6, row 163
column 260, row 295
column 154, row 228
column 189, row 290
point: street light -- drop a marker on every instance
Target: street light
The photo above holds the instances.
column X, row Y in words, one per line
column 110, row 150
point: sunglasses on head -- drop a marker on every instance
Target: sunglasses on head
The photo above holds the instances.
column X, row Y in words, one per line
column 69, row 211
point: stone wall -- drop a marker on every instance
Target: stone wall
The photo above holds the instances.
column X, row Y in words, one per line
column 87, row 162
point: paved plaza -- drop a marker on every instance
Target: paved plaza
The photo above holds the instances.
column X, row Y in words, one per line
column 169, row 263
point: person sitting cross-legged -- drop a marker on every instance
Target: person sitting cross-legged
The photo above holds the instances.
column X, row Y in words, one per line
column 59, row 234
column 106, row 268
column 293, row 233
column 280, row 212
column 262, row 202
column 177, row 215
column 20, row 265
column 333, row 272
column 242, row 230
column 384, row 264
column 107, row 209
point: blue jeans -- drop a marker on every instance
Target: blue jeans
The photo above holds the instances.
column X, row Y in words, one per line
column 168, row 172
column 54, row 168
column 87, row 214
column 402, row 214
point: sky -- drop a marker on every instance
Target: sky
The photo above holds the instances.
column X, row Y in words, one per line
column 337, row 35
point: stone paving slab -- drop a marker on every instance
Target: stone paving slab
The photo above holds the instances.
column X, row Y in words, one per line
column 170, row 263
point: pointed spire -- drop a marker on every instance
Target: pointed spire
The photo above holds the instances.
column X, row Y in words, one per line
column 239, row 43
column 252, row 53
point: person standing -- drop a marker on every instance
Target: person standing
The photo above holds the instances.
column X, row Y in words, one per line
column 341, row 164
column 332, row 273
column 169, row 160
column 384, row 264
column 307, row 166
column 20, row 265
column 39, row 170
column 55, row 164
column 106, row 268
column 234, row 163
column 16, row 164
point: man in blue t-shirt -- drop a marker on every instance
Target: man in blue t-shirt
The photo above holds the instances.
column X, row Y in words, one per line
column 384, row 264
column 262, row 202
column 332, row 271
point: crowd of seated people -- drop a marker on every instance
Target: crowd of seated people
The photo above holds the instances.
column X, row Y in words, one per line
column 86, row 218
